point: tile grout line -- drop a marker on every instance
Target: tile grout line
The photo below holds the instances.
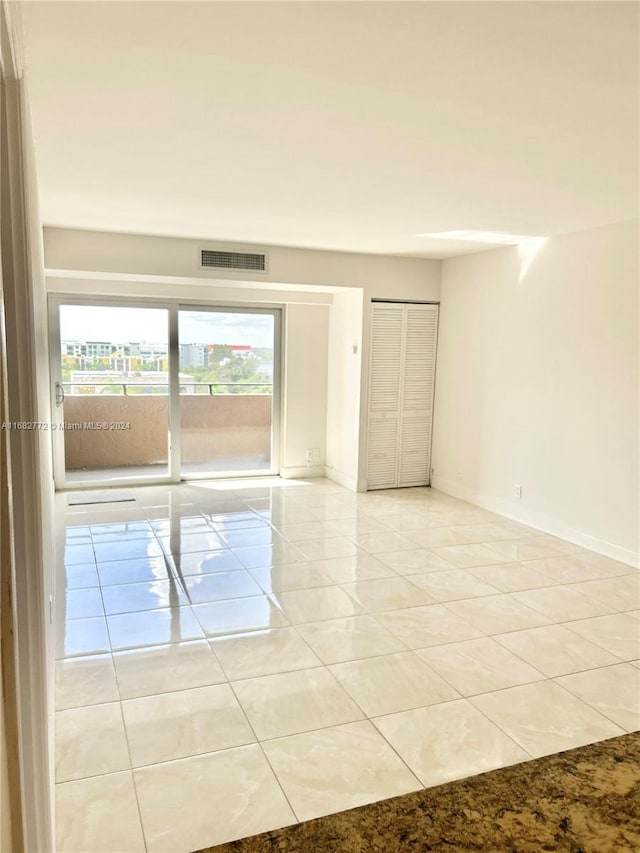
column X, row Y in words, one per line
column 598, row 710
column 133, row 775
column 263, row 753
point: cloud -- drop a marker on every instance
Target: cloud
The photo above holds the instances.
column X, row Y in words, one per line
column 226, row 328
column 150, row 325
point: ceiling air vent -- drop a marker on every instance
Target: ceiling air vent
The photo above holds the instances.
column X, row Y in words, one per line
column 244, row 261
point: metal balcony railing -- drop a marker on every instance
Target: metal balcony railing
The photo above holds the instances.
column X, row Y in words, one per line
column 158, row 389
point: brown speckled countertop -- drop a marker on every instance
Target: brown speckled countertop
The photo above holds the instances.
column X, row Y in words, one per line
column 586, row 800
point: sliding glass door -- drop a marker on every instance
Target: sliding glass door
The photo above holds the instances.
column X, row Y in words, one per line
column 228, row 368
column 163, row 392
column 111, row 393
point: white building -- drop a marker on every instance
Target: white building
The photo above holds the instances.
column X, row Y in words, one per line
column 194, row 355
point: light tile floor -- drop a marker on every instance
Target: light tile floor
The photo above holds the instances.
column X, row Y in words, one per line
column 234, row 657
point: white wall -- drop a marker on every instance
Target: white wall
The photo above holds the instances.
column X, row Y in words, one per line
column 343, row 386
column 69, row 249
column 537, row 384
column 305, row 388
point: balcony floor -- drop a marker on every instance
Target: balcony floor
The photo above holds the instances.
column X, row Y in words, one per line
column 106, row 475
column 233, row 466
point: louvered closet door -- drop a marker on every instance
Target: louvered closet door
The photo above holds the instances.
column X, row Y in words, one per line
column 401, row 386
column 385, row 377
column 421, row 325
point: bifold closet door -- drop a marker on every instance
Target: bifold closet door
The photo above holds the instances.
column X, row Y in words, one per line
column 418, row 382
column 401, row 387
column 385, row 378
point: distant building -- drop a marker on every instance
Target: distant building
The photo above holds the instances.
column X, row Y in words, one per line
column 194, row 355
column 88, row 349
column 229, row 349
column 121, row 364
column 128, row 357
column 105, row 349
column 151, row 351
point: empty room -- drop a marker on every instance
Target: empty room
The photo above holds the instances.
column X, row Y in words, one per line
column 319, row 493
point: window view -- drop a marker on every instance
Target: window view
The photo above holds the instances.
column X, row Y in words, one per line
column 114, row 391
column 226, row 390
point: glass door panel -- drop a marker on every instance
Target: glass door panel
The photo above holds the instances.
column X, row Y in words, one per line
column 112, row 392
column 228, row 374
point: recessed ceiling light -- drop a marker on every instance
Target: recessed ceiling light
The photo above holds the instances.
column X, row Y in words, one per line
column 494, row 237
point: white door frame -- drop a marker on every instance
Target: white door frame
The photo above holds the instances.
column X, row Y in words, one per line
column 27, row 567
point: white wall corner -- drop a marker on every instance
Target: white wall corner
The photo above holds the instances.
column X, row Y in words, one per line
column 341, row 478
column 539, row 521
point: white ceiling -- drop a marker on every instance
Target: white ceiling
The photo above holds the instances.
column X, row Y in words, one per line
column 349, row 126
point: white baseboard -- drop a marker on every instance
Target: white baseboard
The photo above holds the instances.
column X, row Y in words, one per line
column 341, row 478
column 302, row 472
column 541, row 521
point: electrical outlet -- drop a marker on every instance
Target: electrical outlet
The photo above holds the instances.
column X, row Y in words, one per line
column 312, row 455
column 460, row 474
column 517, row 490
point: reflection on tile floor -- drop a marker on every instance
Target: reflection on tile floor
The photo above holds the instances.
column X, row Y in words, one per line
column 287, row 649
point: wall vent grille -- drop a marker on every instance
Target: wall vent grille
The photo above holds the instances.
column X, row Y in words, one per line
column 246, row 261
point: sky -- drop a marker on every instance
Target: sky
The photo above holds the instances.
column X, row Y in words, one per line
column 149, row 325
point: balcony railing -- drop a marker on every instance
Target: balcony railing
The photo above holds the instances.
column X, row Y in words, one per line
column 126, row 387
